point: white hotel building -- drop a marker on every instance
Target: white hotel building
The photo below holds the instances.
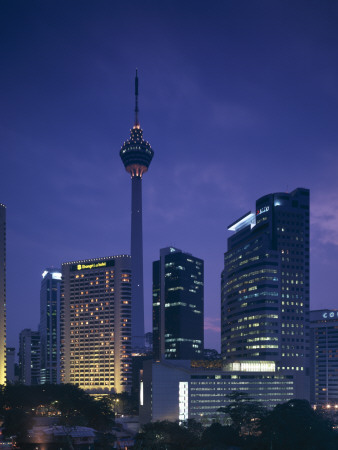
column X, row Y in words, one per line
column 96, row 324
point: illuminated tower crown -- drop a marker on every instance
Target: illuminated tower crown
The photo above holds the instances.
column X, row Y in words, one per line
column 136, row 153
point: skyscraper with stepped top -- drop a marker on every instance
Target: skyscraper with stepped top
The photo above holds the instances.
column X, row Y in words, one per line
column 136, row 155
column 266, row 290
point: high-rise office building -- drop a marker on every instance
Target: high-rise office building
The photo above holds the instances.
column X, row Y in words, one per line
column 324, row 361
column 96, row 324
column 10, row 364
column 2, row 294
column 50, row 326
column 136, row 155
column 265, row 289
column 29, row 357
column 178, row 305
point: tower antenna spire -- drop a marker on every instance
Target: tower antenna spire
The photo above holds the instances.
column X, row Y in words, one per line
column 136, row 100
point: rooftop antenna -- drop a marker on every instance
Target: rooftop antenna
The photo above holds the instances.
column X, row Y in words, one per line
column 136, row 101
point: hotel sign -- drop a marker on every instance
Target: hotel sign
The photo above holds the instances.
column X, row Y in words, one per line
column 262, row 210
column 92, row 265
column 330, row 315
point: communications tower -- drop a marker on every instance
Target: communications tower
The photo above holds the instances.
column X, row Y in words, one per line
column 136, row 155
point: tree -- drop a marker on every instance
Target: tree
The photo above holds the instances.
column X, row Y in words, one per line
column 194, row 427
column 123, row 403
column 245, row 413
column 296, row 426
column 70, row 404
column 164, row 436
column 219, row 437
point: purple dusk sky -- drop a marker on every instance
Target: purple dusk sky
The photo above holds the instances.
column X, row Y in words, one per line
column 237, row 98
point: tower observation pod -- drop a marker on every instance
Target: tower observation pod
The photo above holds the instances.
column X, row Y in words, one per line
column 136, row 155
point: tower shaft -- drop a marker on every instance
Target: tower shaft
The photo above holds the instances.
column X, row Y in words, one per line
column 136, row 155
column 137, row 264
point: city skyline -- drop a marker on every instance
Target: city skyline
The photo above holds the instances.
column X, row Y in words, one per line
column 238, row 104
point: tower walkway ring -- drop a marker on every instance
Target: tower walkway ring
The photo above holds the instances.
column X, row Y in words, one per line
column 131, row 156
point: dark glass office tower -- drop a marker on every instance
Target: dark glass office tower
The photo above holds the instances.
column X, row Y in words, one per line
column 265, row 289
column 2, row 294
column 136, row 155
column 50, row 326
column 29, row 357
column 178, row 305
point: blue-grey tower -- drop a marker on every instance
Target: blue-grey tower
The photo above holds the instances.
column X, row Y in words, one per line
column 136, row 155
column 50, row 296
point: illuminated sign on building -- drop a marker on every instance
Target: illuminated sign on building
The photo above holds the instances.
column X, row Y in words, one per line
column 92, row 265
column 330, row 315
column 262, row 210
column 183, row 401
column 55, row 275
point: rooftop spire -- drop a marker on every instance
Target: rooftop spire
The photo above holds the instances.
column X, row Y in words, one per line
column 136, row 100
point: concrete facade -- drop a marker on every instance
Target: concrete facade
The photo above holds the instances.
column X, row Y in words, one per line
column 136, row 155
column 96, row 324
column 172, row 390
column 324, row 364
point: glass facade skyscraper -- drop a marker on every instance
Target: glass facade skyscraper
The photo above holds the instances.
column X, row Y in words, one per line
column 265, row 289
column 178, row 305
column 50, row 326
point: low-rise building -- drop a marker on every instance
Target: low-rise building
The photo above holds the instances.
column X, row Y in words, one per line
column 172, row 390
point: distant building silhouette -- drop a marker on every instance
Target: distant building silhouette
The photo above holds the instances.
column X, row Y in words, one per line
column 50, row 326
column 148, row 341
column 178, row 305
column 10, row 365
column 29, row 357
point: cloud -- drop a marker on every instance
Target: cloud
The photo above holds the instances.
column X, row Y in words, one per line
column 212, row 324
column 196, row 190
column 235, row 116
column 324, row 217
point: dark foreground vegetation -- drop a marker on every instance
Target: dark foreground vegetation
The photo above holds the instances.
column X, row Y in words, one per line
column 290, row 426
column 21, row 405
